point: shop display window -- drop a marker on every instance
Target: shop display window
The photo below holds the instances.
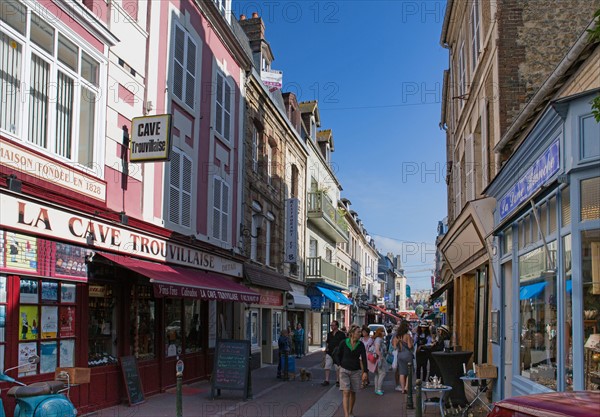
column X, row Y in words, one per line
column 567, row 268
column 173, row 338
column 143, row 318
column 193, row 331
column 252, row 327
column 3, row 283
column 46, row 322
column 276, row 327
column 103, row 320
column 590, row 273
column 538, row 323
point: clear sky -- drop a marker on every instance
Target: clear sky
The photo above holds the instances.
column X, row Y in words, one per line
column 376, row 68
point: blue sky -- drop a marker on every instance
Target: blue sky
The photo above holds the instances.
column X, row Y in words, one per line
column 376, row 68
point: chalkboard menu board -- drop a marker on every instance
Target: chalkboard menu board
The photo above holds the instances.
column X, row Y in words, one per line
column 131, row 377
column 231, row 368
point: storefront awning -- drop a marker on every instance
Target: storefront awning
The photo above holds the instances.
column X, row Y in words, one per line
column 335, row 296
column 384, row 311
column 438, row 293
column 532, row 290
column 295, row 300
column 265, row 278
column 173, row 281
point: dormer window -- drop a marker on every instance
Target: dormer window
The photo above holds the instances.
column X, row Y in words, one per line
column 313, row 129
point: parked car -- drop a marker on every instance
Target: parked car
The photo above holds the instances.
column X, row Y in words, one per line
column 373, row 327
column 554, row 404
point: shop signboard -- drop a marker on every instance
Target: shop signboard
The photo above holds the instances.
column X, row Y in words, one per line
column 150, row 138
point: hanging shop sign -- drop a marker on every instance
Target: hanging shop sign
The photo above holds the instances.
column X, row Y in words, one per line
column 150, row 138
column 541, row 171
column 39, row 219
column 47, row 170
column 291, row 230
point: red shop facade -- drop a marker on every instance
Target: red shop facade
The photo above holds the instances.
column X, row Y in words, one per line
column 84, row 292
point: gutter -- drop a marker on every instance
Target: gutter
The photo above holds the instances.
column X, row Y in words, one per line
column 546, row 88
column 446, row 23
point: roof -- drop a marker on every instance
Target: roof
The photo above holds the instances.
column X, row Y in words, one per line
column 310, row 107
column 325, row 136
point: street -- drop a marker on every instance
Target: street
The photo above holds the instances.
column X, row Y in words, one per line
column 273, row 397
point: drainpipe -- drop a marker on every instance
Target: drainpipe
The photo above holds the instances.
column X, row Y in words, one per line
column 546, row 87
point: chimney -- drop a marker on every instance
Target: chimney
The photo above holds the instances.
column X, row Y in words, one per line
column 254, row 27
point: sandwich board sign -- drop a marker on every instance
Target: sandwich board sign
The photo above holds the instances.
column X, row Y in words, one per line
column 150, row 138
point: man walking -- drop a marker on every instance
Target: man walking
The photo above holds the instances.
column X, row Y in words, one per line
column 334, row 338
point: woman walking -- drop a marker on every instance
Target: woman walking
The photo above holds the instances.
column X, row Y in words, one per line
column 404, row 344
column 379, row 350
column 367, row 341
column 353, row 364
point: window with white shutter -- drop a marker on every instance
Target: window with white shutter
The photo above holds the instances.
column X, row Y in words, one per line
column 470, row 167
column 180, row 188
column 254, row 149
column 184, row 66
column 475, row 36
column 462, row 74
column 457, row 187
column 223, row 106
column 220, row 218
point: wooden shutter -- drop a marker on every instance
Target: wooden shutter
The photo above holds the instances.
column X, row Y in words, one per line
column 190, row 76
column 174, row 190
column 178, row 62
column 470, row 167
column 186, row 192
column 217, row 201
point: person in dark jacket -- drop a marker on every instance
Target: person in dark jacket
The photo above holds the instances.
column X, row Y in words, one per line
column 334, row 337
column 284, row 351
column 299, row 340
column 353, row 368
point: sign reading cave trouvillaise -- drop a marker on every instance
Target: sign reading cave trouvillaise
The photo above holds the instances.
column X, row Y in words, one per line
column 40, row 219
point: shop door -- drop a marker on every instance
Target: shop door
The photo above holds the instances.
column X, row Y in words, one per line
column 325, row 318
column 266, row 343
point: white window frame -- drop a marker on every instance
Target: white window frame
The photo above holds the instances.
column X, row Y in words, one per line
column 255, row 229
column 223, row 116
column 20, row 125
column 218, row 213
column 269, row 219
column 184, row 199
column 269, row 164
column 470, row 171
column 475, row 34
column 188, row 93
column 462, row 74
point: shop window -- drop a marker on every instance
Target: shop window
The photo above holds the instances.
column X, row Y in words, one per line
column 568, row 312
column 173, row 339
column 590, row 275
column 193, row 331
column 252, row 327
column 3, row 283
column 103, row 319
column 507, row 240
column 590, row 199
column 142, row 316
column 552, row 214
column 46, row 324
column 538, row 318
column 276, row 327
column 565, row 205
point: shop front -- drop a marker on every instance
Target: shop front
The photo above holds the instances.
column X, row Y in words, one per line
column 324, row 303
column 67, row 296
column 265, row 319
column 548, row 228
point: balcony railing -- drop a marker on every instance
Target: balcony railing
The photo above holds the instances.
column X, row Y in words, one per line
column 319, row 270
column 322, row 212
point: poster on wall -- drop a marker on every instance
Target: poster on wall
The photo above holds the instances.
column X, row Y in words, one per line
column 26, row 350
column 48, row 355
column 70, row 260
column 67, row 321
column 28, row 322
column 67, row 349
column 2, row 323
column 2, row 288
column 21, row 252
column 49, row 291
column 29, row 291
column 67, row 293
column 49, row 322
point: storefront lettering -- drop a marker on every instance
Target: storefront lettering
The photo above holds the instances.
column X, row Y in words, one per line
column 42, row 216
column 191, row 256
column 99, row 232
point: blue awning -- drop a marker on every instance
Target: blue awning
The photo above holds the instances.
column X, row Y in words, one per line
column 530, row 291
column 335, row 296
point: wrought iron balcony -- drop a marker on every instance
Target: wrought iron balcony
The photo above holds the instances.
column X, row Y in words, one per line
column 319, row 270
column 326, row 218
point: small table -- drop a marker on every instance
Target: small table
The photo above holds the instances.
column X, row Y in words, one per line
column 483, row 384
column 442, row 390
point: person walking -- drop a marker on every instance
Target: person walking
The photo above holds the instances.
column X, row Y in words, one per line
column 334, row 337
column 367, row 341
column 423, row 344
column 379, row 352
column 299, row 340
column 284, row 351
column 404, row 344
column 353, row 368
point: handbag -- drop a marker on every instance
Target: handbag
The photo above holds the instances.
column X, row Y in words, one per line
column 371, row 357
column 389, row 358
